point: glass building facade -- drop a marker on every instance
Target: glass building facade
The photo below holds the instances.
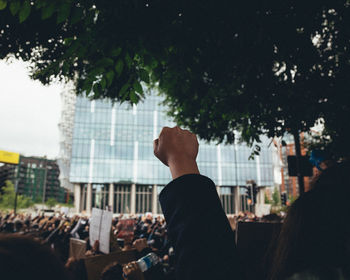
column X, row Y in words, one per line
column 113, row 165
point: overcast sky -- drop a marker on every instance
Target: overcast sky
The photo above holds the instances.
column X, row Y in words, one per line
column 29, row 113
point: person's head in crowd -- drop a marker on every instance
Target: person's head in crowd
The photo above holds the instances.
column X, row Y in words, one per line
column 18, row 226
column 27, row 222
column 76, row 269
column 149, row 217
column 9, row 227
column 315, row 237
column 113, row 271
column 24, row 258
column 128, row 239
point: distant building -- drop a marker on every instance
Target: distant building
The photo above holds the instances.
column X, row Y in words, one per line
column 66, row 125
column 112, row 162
column 37, row 179
column 289, row 184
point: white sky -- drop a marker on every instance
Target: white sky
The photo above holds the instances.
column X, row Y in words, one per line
column 29, row 112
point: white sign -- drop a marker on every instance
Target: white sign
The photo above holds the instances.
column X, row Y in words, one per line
column 262, row 209
column 65, row 210
column 100, row 228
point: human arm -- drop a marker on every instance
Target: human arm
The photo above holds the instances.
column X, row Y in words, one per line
column 197, row 225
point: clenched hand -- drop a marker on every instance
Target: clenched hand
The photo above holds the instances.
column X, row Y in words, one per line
column 178, row 149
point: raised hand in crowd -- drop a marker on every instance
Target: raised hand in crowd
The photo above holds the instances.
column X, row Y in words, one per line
column 132, row 271
column 188, row 203
column 94, row 250
column 140, row 244
column 178, row 149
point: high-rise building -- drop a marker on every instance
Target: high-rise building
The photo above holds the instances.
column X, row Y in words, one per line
column 66, row 125
column 37, row 178
column 112, row 162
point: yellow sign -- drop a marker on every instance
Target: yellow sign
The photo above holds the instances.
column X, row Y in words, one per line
column 8, row 157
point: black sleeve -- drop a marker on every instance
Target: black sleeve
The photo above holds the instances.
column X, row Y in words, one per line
column 199, row 230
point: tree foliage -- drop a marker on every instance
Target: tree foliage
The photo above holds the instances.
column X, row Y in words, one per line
column 224, row 66
column 276, row 198
column 51, row 202
column 7, row 198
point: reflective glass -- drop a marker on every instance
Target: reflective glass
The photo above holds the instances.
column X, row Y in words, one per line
column 115, row 144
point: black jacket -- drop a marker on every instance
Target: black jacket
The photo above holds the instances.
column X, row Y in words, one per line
column 199, row 230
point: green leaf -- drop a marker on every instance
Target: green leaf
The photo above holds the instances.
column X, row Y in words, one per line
column 72, row 48
column 116, row 52
column 40, row 3
column 77, row 15
column 3, row 4
column 105, row 62
column 24, row 11
column 63, row 12
column 124, row 89
column 144, row 76
column 14, row 7
column 128, row 60
column 97, row 89
column 87, row 86
column 119, row 67
column 47, row 11
column 109, row 78
column 137, row 87
column 103, row 83
column 68, row 41
column 133, row 97
column 96, row 71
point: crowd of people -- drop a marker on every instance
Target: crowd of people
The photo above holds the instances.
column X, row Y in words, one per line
column 149, row 235
column 55, row 232
column 197, row 241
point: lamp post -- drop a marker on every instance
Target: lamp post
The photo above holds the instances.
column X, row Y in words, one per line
column 16, row 184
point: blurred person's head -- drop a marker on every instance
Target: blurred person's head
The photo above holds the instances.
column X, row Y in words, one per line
column 18, row 226
column 113, row 271
column 316, row 231
column 24, row 258
column 76, row 269
column 8, row 227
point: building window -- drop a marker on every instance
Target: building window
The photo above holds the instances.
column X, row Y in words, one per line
column 227, row 198
column 121, row 199
column 143, row 199
column 99, row 196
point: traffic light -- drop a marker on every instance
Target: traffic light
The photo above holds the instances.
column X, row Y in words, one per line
column 284, row 198
column 251, row 191
column 255, row 191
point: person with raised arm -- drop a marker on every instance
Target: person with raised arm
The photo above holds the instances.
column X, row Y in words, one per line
column 193, row 213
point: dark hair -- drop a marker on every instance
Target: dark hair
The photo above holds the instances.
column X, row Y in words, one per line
column 76, row 269
column 22, row 257
column 316, row 232
column 113, row 271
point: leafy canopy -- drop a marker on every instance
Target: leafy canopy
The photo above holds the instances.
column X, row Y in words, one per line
column 51, row 202
column 224, row 66
column 7, row 198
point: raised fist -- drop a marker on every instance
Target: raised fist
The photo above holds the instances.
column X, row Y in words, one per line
column 178, row 149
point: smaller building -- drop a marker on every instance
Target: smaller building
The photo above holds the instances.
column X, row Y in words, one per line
column 289, row 184
column 38, row 178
